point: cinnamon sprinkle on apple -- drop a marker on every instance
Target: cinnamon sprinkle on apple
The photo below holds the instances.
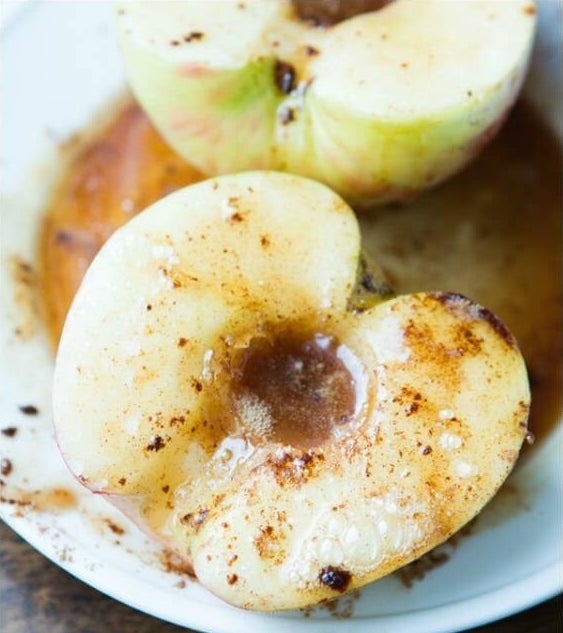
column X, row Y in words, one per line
column 194, row 36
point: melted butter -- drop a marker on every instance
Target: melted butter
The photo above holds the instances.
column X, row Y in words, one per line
column 294, row 390
column 492, row 233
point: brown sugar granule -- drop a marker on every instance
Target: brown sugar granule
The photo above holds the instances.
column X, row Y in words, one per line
column 6, row 466
column 194, row 36
column 236, row 217
column 29, row 409
column 155, row 443
column 335, row 578
column 177, row 420
column 195, row 519
column 412, row 408
column 116, row 529
column 15, row 502
column 286, row 115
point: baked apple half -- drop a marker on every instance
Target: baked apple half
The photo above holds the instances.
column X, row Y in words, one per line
column 377, row 99
column 224, row 380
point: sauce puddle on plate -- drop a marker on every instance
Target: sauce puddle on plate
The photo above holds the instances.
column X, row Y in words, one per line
column 492, row 233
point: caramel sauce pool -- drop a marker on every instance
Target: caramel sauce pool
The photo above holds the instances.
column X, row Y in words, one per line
column 492, row 233
column 306, row 387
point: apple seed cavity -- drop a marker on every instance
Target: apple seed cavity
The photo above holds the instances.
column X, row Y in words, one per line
column 295, row 389
column 333, row 90
column 325, row 13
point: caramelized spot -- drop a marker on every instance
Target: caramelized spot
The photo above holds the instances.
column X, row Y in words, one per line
column 498, row 326
column 455, row 302
column 335, row 578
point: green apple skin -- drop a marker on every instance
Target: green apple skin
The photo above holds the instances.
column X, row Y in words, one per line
column 149, row 365
column 378, row 107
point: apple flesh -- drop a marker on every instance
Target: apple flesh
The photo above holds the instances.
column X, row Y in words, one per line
column 378, row 106
column 223, row 379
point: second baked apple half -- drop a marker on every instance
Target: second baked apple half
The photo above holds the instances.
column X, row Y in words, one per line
column 222, row 380
column 377, row 104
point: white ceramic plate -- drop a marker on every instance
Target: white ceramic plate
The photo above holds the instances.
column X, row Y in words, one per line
column 60, row 65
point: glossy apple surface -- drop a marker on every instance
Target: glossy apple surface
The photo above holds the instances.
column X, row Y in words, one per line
column 219, row 381
column 378, row 106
